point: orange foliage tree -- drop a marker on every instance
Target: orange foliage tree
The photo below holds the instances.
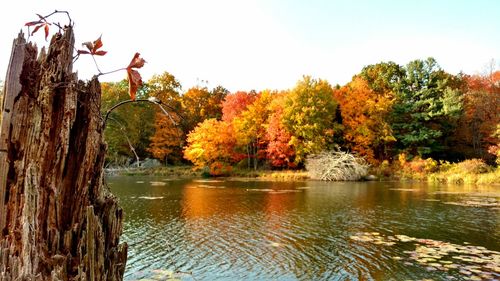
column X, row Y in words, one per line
column 280, row 152
column 168, row 138
column 364, row 116
column 199, row 104
column 211, row 144
column 234, row 104
column 481, row 113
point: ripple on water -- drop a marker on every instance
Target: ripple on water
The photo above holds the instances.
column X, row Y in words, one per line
column 231, row 233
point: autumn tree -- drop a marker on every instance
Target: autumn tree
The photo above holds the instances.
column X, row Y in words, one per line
column 309, row 115
column 234, row 104
column 365, row 115
column 427, row 107
column 199, row 104
column 250, row 128
column 481, row 115
column 168, row 138
column 280, row 152
column 211, row 145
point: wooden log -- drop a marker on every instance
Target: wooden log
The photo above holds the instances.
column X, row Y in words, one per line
column 58, row 221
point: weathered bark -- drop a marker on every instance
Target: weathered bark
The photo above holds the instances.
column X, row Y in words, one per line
column 57, row 219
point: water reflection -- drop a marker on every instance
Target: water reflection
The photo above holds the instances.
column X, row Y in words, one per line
column 286, row 231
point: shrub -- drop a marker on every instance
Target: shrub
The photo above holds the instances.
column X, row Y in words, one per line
column 336, row 165
column 473, row 166
column 220, row 169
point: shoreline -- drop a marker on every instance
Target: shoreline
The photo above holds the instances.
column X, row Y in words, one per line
column 444, row 177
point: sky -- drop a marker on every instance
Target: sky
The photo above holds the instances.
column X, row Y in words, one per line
column 269, row 44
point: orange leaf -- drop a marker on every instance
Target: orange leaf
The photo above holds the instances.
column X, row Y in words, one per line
column 93, row 47
column 134, row 82
column 136, row 61
column 46, row 31
column 97, row 43
column 36, row 28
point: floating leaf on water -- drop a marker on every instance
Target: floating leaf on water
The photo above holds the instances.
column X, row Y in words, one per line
column 157, row 183
column 139, row 182
column 150, row 197
column 375, row 233
column 397, row 258
column 207, row 181
column 404, row 238
column 432, row 200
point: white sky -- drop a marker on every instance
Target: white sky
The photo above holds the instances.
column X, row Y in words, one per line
column 244, row 45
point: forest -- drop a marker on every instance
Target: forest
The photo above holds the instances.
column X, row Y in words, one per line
column 387, row 111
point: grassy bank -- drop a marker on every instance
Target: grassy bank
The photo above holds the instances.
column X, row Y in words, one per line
column 472, row 171
column 467, row 172
column 170, row 171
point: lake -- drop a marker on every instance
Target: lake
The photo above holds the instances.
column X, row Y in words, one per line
column 232, row 229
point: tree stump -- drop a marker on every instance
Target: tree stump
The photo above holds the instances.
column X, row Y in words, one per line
column 58, row 221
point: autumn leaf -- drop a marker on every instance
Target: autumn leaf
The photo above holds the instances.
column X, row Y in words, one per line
column 93, row 48
column 40, row 25
column 31, row 23
column 46, row 31
column 136, row 62
column 134, row 78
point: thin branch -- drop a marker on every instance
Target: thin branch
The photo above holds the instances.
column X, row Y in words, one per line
column 109, row 72
column 95, row 62
column 122, row 128
column 153, row 101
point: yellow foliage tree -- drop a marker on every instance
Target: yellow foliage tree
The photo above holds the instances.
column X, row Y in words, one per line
column 211, row 144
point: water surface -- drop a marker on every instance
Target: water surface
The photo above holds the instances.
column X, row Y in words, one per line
column 257, row 230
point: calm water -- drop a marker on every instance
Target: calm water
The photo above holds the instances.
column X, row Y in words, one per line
column 255, row 230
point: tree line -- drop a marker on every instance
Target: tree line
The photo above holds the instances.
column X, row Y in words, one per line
column 385, row 110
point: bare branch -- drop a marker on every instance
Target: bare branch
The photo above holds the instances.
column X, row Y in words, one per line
column 152, row 100
column 336, row 165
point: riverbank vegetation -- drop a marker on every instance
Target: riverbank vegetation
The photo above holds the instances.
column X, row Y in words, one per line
column 412, row 122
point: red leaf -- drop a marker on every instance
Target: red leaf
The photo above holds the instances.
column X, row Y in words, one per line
column 37, row 28
column 46, row 31
column 93, row 47
column 83, row 52
column 136, row 62
column 31, row 23
column 100, row 53
column 134, row 82
column 97, row 44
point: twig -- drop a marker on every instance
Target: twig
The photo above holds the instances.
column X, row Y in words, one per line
column 152, row 100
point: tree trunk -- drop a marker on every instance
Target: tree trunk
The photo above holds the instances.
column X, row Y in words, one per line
column 57, row 219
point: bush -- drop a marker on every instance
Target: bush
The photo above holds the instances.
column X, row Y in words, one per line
column 473, row 166
column 336, row 166
column 220, row 169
